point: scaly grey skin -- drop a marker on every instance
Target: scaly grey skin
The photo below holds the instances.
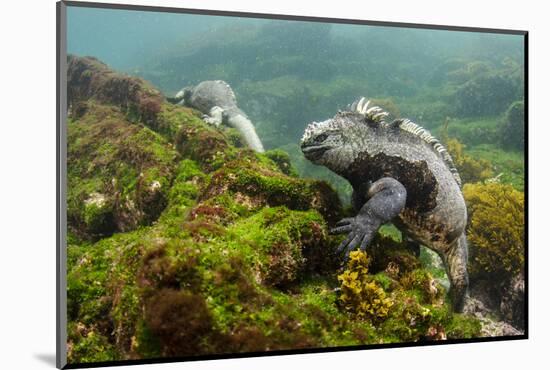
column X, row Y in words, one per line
column 399, row 173
column 217, row 101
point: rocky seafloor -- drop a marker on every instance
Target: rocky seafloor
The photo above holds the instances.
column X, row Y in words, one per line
column 182, row 242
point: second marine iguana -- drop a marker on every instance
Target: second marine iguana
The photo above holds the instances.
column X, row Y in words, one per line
column 399, row 173
column 217, row 101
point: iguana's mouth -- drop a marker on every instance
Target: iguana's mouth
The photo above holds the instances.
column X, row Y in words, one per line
column 313, row 152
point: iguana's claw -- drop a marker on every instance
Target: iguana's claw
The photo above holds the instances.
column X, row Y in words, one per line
column 360, row 234
column 342, row 226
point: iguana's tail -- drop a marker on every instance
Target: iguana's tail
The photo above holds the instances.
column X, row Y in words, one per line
column 456, row 260
column 247, row 130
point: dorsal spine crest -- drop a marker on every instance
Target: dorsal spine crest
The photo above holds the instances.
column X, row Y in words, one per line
column 425, row 135
column 376, row 115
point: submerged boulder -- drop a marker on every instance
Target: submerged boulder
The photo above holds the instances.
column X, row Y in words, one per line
column 88, row 78
column 119, row 173
column 512, row 305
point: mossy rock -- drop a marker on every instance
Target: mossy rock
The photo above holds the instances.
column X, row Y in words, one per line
column 512, row 129
column 87, row 345
column 234, row 137
column 282, row 160
column 284, row 237
column 411, row 321
column 126, row 284
column 90, row 79
column 119, row 173
column 395, row 257
column 207, row 146
column 255, row 186
column 488, row 93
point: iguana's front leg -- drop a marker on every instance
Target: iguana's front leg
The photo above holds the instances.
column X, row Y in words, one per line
column 387, row 198
column 215, row 116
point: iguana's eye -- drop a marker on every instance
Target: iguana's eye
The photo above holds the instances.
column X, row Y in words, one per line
column 321, row 138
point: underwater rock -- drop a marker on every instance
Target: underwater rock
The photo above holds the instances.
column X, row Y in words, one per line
column 489, row 326
column 119, row 173
column 255, row 186
column 501, row 308
column 178, row 319
column 488, row 93
column 512, row 304
column 89, row 79
column 487, row 293
column 282, row 160
column 512, row 129
column 98, row 214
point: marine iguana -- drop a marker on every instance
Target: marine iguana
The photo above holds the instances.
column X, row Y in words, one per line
column 217, row 101
column 399, row 173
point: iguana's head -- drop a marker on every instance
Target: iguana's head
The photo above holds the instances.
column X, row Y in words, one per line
column 184, row 95
column 336, row 142
column 324, row 142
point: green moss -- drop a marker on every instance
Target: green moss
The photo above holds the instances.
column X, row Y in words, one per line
column 282, row 160
column 408, row 320
column 234, row 137
column 184, row 191
column 239, row 276
column 424, row 286
column 278, row 189
column 98, row 215
column 234, row 206
column 255, row 186
column 146, row 344
column 463, row 326
column 102, row 289
column 172, row 118
column 86, row 345
column 281, row 236
column 119, row 174
column 387, row 283
column 207, row 145
column 87, row 297
column 394, row 257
